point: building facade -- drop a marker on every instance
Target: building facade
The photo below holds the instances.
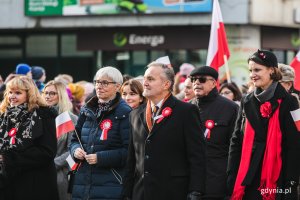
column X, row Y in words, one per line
column 78, row 44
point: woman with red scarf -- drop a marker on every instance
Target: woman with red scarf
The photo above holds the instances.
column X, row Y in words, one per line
column 265, row 147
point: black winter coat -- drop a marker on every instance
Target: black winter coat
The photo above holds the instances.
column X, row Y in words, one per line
column 224, row 113
column 169, row 161
column 290, row 145
column 29, row 169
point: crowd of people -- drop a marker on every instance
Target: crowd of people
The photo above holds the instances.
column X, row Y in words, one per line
column 164, row 136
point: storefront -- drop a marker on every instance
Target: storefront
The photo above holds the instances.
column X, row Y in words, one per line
column 81, row 52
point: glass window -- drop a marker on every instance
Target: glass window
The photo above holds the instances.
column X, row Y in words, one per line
column 198, row 57
column 41, row 46
column 177, row 57
column 69, row 48
column 290, row 56
column 10, row 53
column 10, row 40
column 156, row 54
column 139, row 58
column 280, row 56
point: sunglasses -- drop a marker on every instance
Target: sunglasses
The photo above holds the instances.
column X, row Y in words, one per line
column 201, row 79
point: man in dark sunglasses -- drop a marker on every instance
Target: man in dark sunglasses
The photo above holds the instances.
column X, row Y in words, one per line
column 218, row 116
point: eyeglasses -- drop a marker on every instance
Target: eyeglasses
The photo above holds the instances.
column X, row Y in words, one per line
column 103, row 83
column 201, row 79
column 51, row 93
column 225, row 93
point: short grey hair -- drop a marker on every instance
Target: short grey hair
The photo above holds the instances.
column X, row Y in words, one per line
column 110, row 72
column 169, row 73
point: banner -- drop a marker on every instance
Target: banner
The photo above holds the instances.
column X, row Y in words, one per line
column 104, row 7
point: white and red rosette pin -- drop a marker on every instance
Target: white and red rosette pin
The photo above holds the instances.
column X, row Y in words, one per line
column 209, row 124
column 167, row 111
column 105, row 126
column 12, row 134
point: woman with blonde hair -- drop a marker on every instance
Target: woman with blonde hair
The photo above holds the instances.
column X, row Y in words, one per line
column 27, row 143
column 55, row 94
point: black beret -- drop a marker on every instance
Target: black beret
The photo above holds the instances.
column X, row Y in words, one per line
column 206, row 71
column 265, row 58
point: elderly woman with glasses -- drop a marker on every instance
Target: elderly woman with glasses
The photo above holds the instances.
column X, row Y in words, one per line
column 102, row 140
column 55, row 94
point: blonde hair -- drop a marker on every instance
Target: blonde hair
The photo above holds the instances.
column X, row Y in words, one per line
column 34, row 99
column 64, row 78
column 64, row 103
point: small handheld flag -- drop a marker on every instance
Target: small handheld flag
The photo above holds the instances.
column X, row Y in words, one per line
column 64, row 124
column 296, row 117
column 72, row 164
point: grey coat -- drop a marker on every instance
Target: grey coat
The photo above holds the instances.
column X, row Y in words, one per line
column 61, row 163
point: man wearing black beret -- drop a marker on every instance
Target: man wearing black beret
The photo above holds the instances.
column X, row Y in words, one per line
column 218, row 116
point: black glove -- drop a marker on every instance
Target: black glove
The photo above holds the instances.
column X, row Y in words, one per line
column 194, row 195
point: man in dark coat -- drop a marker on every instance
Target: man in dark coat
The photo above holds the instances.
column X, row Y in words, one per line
column 218, row 116
column 166, row 150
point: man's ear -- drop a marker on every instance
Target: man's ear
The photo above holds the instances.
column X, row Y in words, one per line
column 214, row 83
column 167, row 84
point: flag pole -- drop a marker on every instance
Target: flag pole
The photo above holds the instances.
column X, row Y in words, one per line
column 227, row 69
column 78, row 139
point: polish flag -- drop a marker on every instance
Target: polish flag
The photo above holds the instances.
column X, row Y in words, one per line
column 72, row 164
column 296, row 65
column 296, row 117
column 218, row 46
column 164, row 60
column 64, row 124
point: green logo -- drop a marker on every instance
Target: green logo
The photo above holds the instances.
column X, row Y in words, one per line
column 295, row 40
column 120, row 39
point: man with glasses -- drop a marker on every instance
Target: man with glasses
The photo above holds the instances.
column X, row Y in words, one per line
column 166, row 148
column 218, row 116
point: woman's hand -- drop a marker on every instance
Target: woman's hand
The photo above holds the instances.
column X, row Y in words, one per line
column 91, row 158
column 79, row 154
column 1, row 158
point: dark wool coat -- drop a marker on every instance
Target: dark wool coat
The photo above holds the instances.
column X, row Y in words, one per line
column 30, row 170
column 104, row 179
column 169, row 161
column 290, row 145
column 224, row 113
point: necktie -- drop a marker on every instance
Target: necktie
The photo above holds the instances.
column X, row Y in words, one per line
column 154, row 112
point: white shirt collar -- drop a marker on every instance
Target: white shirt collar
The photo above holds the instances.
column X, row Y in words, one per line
column 159, row 104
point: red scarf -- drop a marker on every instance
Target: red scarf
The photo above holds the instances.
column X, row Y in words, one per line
column 272, row 162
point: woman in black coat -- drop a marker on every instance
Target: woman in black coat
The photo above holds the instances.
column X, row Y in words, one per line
column 27, row 143
column 265, row 147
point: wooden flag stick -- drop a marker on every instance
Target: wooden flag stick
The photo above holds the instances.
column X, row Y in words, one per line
column 227, row 69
